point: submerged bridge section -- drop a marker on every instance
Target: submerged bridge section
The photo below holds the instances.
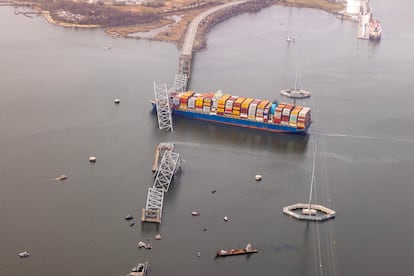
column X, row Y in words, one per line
column 184, row 65
column 170, row 165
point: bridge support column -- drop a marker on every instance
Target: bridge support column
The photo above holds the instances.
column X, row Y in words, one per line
column 184, row 65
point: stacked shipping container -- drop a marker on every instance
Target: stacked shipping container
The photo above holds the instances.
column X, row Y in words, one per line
column 245, row 108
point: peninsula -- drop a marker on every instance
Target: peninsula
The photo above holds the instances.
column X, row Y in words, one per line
column 164, row 20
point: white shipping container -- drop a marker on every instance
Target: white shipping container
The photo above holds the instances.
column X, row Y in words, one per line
column 286, row 111
column 252, row 110
column 176, row 101
column 304, row 112
column 206, row 109
column 191, row 102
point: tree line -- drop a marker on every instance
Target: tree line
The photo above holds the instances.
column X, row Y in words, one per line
column 96, row 14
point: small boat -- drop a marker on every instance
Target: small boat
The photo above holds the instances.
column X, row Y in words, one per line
column 62, row 177
column 226, row 218
column 248, row 250
column 258, row 177
column 295, row 93
column 129, row 217
column 139, row 270
column 375, row 29
column 158, row 237
column 132, row 224
column 195, row 213
column 24, row 254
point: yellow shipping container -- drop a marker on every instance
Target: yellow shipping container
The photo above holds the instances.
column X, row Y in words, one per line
column 223, row 99
column 293, row 120
column 199, row 102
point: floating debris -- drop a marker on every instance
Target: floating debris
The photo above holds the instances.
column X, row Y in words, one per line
column 158, row 237
column 92, row 159
column 117, row 101
column 24, row 254
column 198, row 254
column 140, row 270
column 62, row 177
column 195, row 213
column 258, row 177
column 205, row 229
column 132, row 224
column 213, row 191
column 129, row 217
column 142, row 244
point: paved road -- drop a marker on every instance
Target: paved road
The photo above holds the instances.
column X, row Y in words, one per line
column 192, row 28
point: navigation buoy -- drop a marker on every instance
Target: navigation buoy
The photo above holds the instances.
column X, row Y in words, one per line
column 258, row 177
column 117, row 101
column 92, row 159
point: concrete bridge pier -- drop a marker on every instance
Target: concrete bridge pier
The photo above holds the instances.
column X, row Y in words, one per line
column 184, row 65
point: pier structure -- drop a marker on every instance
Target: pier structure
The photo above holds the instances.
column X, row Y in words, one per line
column 170, row 165
column 364, row 18
column 184, row 65
column 310, row 211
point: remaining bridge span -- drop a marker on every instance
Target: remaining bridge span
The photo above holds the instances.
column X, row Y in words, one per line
column 184, row 67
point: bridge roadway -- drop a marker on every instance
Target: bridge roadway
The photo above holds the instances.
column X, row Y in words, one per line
column 187, row 49
column 192, row 28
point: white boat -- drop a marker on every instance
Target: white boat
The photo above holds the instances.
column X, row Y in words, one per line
column 295, row 93
column 195, row 213
column 24, row 254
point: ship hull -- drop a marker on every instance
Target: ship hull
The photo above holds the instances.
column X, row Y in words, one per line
column 237, row 122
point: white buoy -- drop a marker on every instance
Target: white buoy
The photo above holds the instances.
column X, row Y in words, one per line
column 92, row 159
column 117, row 101
column 226, row 218
column 258, row 177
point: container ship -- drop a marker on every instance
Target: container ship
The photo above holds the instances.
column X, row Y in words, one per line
column 375, row 29
column 240, row 111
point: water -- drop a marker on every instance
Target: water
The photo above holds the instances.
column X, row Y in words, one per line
column 56, row 109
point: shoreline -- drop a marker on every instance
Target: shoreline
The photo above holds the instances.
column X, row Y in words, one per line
column 176, row 30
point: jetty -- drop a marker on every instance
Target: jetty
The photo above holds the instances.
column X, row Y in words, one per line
column 310, row 211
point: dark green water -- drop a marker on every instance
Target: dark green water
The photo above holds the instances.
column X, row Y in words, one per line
column 56, row 109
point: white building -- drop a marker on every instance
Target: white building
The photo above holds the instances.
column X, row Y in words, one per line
column 353, row 6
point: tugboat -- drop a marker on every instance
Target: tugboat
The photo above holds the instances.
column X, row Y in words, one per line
column 375, row 29
column 139, row 270
column 248, row 250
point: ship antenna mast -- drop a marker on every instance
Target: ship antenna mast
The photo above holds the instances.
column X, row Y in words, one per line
column 313, row 174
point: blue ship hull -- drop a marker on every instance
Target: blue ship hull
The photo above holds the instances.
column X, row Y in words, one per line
column 238, row 122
